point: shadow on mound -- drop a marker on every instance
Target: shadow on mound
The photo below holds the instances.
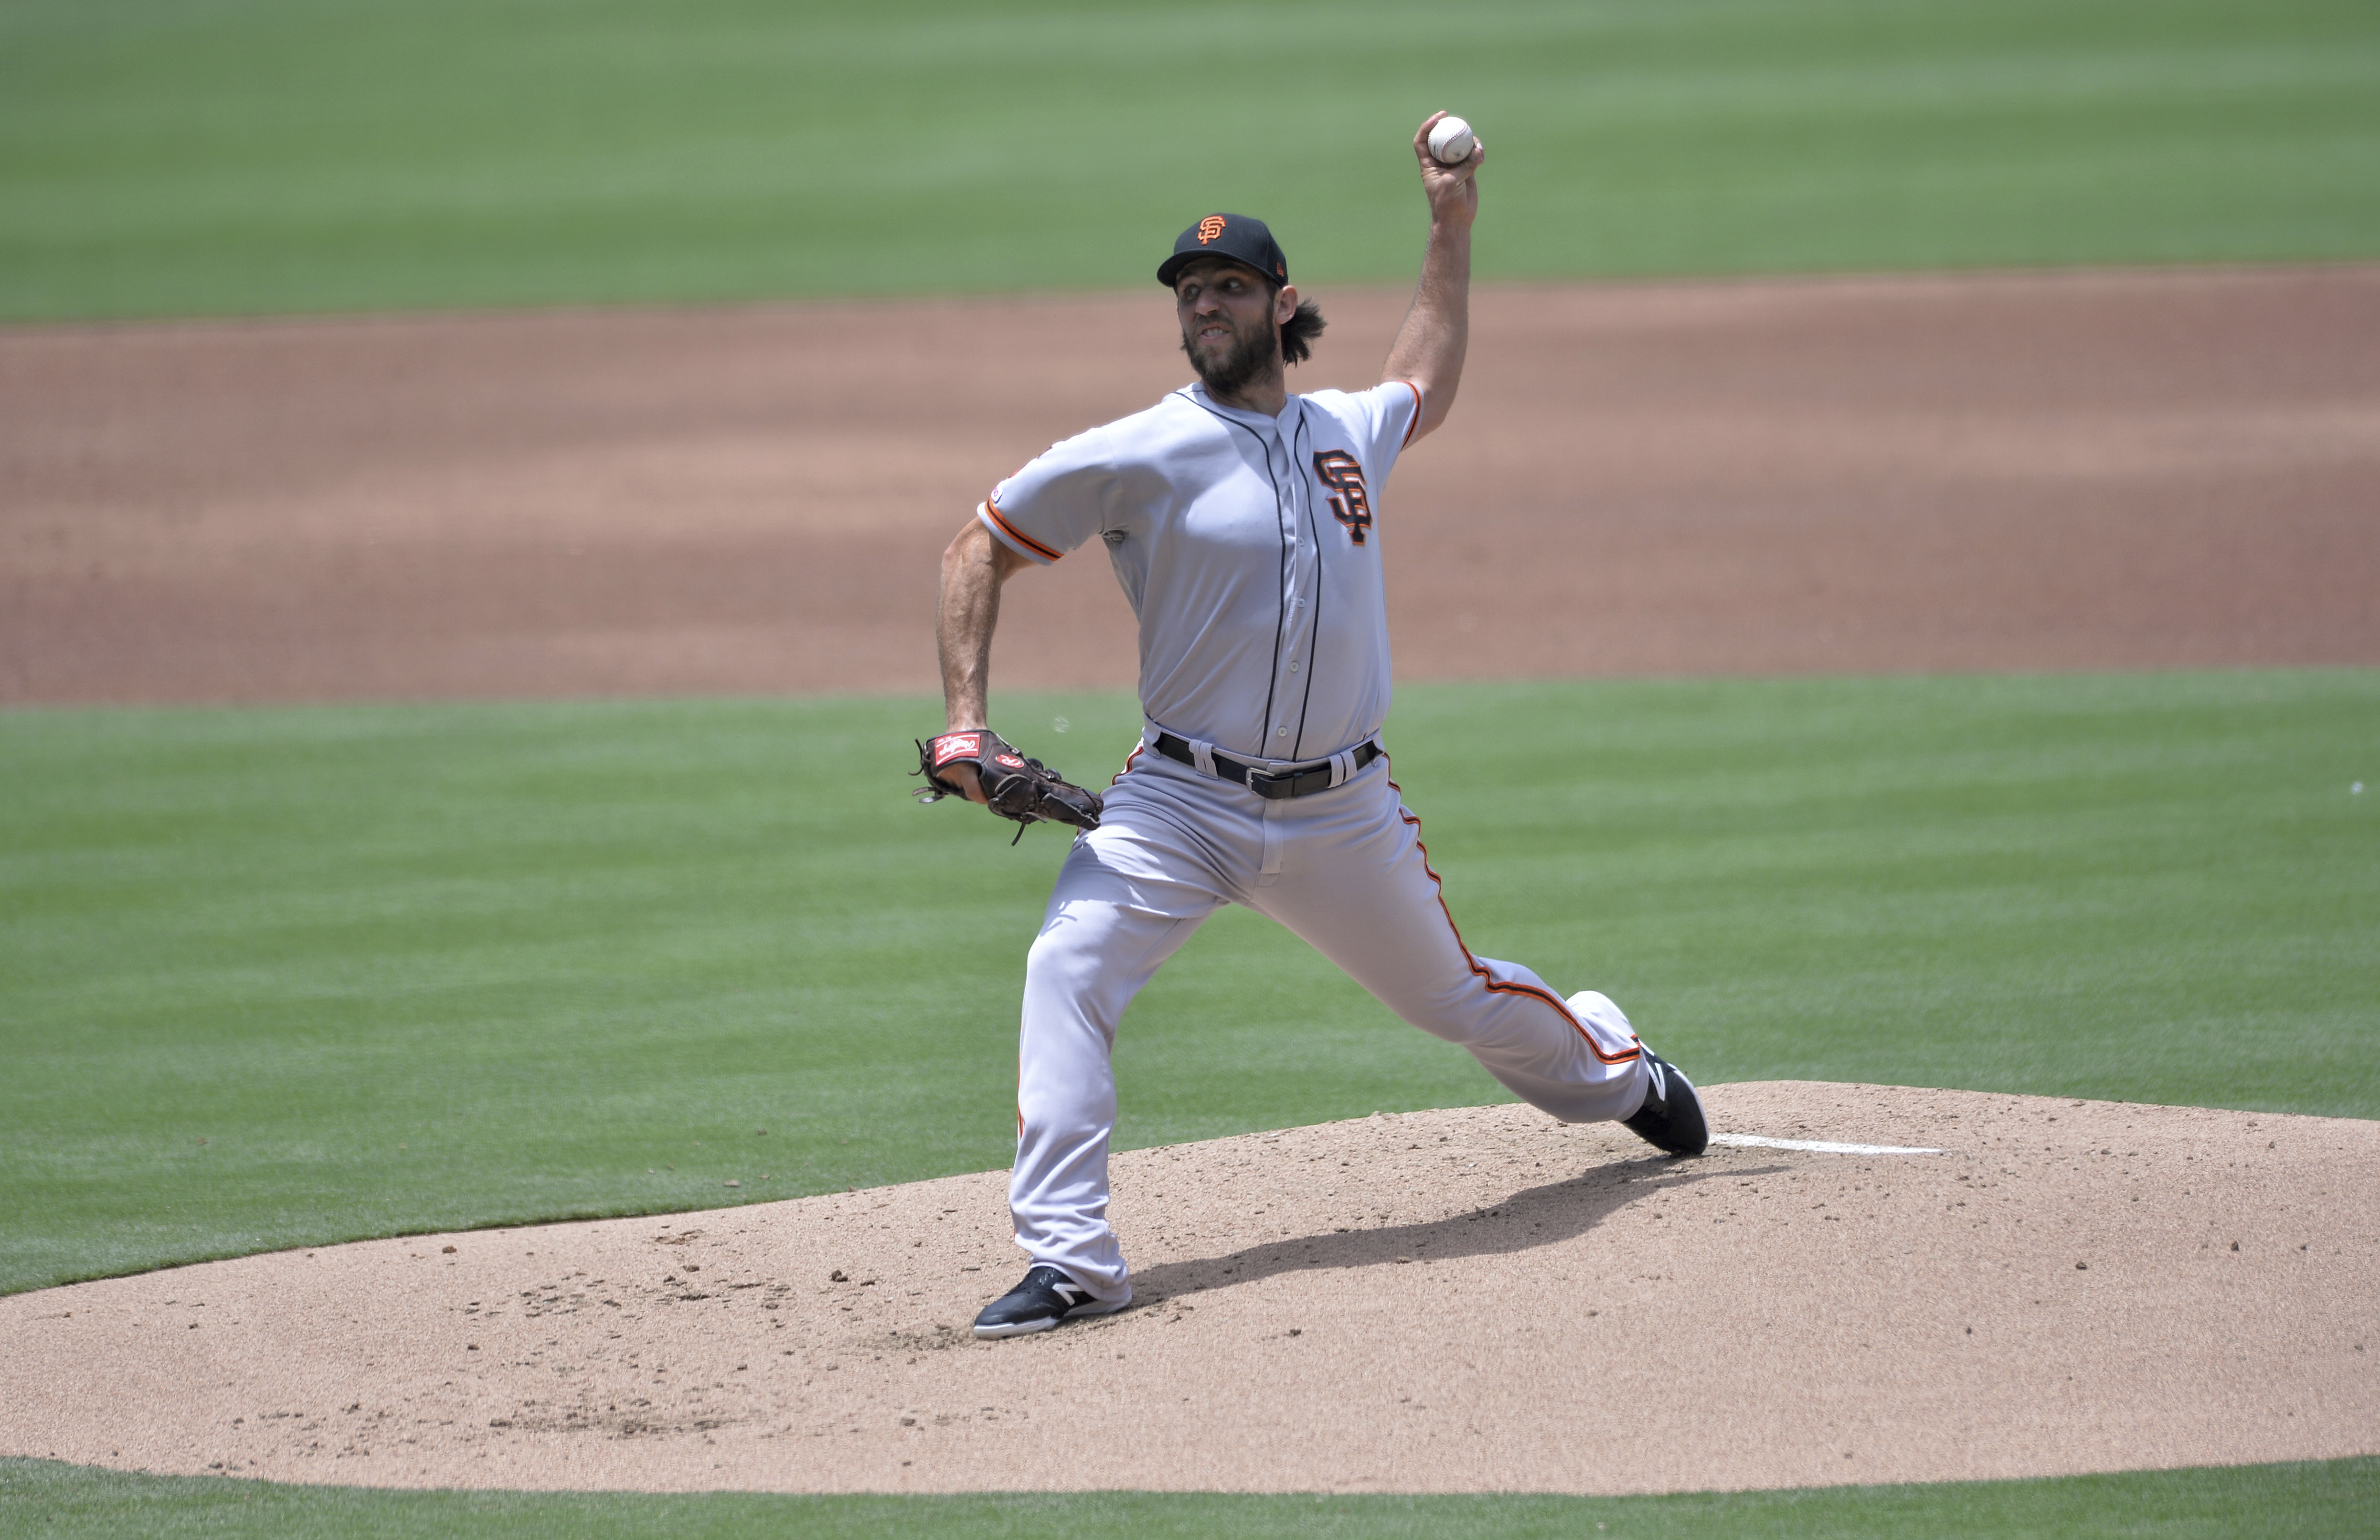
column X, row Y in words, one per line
column 1533, row 1217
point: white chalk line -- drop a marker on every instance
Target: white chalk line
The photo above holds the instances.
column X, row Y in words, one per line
column 1823, row 1147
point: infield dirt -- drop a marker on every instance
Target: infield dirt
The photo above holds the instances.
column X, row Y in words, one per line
column 2062, row 470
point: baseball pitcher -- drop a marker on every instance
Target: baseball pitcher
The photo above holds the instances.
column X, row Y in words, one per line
column 1249, row 527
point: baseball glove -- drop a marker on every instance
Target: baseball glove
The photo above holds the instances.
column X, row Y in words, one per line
column 1025, row 790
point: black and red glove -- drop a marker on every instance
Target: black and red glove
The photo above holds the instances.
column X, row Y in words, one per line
column 1013, row 786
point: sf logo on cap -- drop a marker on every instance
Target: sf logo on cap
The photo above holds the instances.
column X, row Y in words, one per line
column 1209, row 227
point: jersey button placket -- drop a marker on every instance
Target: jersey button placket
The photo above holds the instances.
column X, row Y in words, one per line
column 1300, row 553
column 1270, row 872
column 1298, row 559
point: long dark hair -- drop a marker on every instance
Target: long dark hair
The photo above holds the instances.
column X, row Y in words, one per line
column 1297, row 333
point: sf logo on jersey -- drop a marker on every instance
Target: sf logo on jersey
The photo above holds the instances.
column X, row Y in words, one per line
column 1338, row 470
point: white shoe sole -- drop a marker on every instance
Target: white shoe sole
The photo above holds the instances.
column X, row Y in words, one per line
column 1024, row 1328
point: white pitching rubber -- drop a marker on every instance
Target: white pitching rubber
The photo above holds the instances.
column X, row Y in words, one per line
column 1823, row 1146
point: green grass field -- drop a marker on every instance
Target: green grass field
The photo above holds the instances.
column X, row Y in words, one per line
column 2325, row 1499
column 286, row 977
column 162, row 157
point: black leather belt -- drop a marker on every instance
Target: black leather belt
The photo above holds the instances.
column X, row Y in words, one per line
column 1303, row 783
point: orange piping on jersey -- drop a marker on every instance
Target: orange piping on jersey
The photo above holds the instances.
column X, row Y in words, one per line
column 1531, row 990
column 1416, row 416
column 1129, row 760
column 1019, row 535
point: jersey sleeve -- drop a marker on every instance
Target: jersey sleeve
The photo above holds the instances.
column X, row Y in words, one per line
column 1381, row 420
column 1061, row 499
column 1395, row 410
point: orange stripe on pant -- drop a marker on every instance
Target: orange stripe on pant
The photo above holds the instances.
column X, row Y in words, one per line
column 1481, row 974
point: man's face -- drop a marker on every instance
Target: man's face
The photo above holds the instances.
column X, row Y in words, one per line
column 1231, row 321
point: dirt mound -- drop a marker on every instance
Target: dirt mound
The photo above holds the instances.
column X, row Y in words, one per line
column 1477, row 1300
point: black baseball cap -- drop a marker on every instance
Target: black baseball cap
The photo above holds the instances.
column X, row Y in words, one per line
column 1243, row 240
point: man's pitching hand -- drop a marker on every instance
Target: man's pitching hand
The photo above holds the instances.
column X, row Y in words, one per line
column 1453, row 196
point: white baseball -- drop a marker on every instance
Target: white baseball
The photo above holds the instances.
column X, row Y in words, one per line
column 1450, row 142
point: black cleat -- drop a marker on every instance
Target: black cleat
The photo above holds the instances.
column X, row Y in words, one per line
column 1046, row 1297
column 1671, row 1118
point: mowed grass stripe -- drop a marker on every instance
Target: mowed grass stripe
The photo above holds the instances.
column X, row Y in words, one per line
column 2316, row 1498
column 160, row 158
column 280, row 977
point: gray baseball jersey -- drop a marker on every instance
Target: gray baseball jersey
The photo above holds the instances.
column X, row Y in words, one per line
column 1248, row 547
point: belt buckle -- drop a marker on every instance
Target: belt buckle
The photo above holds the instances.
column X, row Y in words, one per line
column 1274, row 785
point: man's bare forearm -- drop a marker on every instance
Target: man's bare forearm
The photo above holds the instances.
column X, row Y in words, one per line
column 1437, row 332
column 974, row 568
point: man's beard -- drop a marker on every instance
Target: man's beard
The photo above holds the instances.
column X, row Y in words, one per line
column 1248, row 359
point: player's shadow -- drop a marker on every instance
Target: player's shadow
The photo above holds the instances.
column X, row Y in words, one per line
column 1534, row 1216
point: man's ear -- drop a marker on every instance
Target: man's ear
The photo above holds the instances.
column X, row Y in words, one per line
column 1284, row 304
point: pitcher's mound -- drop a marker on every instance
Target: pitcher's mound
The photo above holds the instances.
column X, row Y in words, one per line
column 1477, row 1300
